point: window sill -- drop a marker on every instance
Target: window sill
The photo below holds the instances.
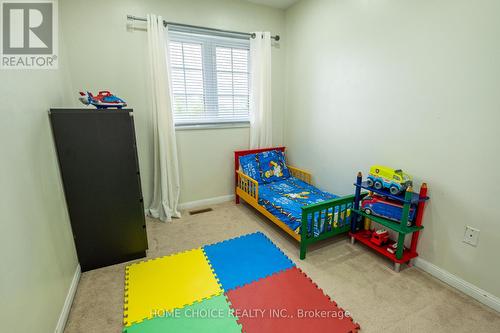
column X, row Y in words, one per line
column 245, row 124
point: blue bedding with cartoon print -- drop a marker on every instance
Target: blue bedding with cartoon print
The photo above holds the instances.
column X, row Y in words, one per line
column 285, row 198
column 266, row 167
column 283, row 195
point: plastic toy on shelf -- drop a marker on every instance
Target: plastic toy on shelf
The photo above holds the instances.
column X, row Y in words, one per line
column 380, row 237
column 393, row 179
column 103, row 100
column 392, row 248
column 384, row 207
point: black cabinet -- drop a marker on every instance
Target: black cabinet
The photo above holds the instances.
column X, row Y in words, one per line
column 98, row 161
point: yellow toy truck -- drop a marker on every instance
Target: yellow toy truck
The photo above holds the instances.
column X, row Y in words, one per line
column 393, row 179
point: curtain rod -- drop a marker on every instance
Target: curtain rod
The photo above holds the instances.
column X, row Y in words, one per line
column 165, row 23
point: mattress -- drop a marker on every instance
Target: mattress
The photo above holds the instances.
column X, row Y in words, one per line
column 285, row 199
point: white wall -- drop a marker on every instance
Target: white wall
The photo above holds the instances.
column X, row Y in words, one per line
column 410, row 84
column 104, row 55
column 37, row 255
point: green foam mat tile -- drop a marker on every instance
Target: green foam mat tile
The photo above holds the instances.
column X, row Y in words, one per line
column 211, row 315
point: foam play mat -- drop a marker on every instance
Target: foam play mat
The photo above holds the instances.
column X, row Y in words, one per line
column 245, row 259
column 245, row 284
column 167, row 283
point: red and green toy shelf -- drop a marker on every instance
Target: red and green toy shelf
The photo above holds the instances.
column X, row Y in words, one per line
column 408, row 200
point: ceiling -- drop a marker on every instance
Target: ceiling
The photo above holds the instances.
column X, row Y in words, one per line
column 275, row 3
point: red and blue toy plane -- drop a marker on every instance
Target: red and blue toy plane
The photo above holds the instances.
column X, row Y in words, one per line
column 103, row 100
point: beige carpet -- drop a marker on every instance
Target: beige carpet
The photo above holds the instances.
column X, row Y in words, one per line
column 360, row 281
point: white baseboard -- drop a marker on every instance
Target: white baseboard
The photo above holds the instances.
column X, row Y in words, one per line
column 63, row 317
column 206, row 202
column 467, row 288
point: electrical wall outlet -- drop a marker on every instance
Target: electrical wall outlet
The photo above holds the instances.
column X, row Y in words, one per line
column 471, row 236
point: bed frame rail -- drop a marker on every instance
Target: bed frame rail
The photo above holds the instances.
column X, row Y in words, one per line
column 303, row 175
column 248, row 185
column 324, row 220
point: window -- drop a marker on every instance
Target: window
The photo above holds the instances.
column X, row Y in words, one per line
column 210, row 77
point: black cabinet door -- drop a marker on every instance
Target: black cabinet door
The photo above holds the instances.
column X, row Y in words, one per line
column 100, row 172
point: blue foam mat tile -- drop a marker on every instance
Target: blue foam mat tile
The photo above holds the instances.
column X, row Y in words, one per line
column 245, row 259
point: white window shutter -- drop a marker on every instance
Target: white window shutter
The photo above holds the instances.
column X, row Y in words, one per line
column 210, row 77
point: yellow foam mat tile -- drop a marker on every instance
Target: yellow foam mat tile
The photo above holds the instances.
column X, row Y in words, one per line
column 167, row 283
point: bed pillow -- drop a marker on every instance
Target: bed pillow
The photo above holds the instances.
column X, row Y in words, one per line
column 272, row 166
column 265, row 167
column 249, row 166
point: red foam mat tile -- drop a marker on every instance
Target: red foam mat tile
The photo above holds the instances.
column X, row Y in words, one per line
column 288, row 302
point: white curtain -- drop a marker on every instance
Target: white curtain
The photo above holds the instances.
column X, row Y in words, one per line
column 166, row 170
column 260, row 91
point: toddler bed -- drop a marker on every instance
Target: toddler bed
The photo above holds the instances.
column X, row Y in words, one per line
column 286, row 196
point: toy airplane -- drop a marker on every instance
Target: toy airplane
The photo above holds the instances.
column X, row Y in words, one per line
column 103, row 100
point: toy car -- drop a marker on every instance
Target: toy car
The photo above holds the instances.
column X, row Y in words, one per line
column 380, row 237
column 392, row 248
column 103, row 100
column 390, row 209
column 384, row 177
